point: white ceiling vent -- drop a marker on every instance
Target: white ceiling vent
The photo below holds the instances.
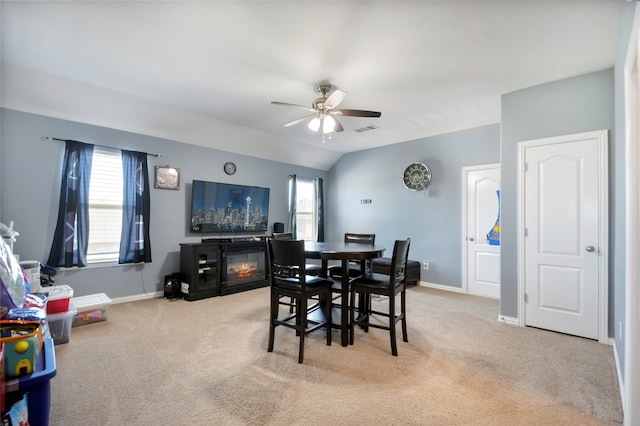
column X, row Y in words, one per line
column 366, row 129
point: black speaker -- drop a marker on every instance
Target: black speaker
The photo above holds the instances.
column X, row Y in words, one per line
column 172, row 286
column 278, row 227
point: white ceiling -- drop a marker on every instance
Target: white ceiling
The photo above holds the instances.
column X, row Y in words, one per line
column 430, row 67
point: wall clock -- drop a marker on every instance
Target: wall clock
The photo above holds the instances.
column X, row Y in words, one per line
column 229, row 168
column 416, row 176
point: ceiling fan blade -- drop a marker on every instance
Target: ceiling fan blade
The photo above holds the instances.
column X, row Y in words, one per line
column 356, row 113
column 293, row 105
column 299, row 120
column 335, row 98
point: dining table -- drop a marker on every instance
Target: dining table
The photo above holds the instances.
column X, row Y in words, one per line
column 344, row 252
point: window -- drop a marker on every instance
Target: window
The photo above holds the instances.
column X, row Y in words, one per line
column 306, row 212
column 105, row 206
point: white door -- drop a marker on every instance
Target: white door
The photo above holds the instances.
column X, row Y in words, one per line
column 564, row 189
column 481, row 245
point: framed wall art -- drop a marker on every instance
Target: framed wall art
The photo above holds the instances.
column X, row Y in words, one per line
column 167, row 177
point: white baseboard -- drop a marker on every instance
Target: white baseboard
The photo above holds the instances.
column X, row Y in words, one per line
column 137, row 297
column 508, row 320
column 623, row 393
column 439, row 286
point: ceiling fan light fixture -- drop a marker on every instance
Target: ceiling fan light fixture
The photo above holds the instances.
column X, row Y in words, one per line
column 329, row 124
column 314, row 124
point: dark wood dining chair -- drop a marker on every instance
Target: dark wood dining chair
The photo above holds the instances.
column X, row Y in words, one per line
column 384, row 285
column 311, row 268
column 356, row 267
column 287, row 278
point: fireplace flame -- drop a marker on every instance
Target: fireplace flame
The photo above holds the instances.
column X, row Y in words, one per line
column 243, row 270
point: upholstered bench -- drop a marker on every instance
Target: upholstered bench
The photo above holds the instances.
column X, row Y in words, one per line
column 382, row 265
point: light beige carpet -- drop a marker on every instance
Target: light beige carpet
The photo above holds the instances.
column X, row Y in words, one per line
column 160, row 362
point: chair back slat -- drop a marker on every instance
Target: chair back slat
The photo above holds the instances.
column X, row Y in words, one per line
column 283, row 235
column 287, row 252
column 287, row 261
column 399, row 261
column 285, row 272
column 360, row 238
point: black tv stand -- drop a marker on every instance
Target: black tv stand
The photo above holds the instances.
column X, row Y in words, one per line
column 219, row 266
column 233, row 240
column 216, row 240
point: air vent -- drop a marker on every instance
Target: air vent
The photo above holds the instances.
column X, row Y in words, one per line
column 366, row 129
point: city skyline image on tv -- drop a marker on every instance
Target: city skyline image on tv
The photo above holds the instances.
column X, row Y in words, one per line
column 222, row 207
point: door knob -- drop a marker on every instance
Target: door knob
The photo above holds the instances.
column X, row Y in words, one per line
column 590, row 249
column 471, row 239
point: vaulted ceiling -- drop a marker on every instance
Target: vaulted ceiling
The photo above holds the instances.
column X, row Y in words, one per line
column 205, row 72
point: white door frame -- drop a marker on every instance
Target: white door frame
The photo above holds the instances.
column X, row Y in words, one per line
column 630, row 386
column 465, row 230
column 603, row 228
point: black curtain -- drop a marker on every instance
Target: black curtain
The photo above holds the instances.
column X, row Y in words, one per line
column 69, row 247
column 320, row 204
column 135, row 245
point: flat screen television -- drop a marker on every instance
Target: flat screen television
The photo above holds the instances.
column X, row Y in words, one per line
column 228, row 208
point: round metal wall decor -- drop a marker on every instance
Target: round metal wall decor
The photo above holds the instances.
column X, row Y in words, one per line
column 416, row 176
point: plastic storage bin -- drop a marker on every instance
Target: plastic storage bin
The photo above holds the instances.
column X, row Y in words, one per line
column 37, row 385
column 58, row 298
column 91, row 308
column 60, row 325
column 32, row 273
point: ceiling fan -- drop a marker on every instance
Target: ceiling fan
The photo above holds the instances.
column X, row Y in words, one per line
column 325, row 109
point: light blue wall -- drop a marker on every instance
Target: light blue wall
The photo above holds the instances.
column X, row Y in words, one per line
column 29, row 194
column 618, row 231
column 431, row 218
column 563, row 107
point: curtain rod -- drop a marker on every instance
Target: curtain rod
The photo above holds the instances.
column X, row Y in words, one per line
column 49, row 138
column 304, row 177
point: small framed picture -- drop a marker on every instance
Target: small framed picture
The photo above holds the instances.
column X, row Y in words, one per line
column 167, row 177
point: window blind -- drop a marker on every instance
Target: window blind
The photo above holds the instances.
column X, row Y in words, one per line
column 105, row 205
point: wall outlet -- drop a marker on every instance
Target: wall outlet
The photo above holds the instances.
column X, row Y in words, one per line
column 425, row 265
